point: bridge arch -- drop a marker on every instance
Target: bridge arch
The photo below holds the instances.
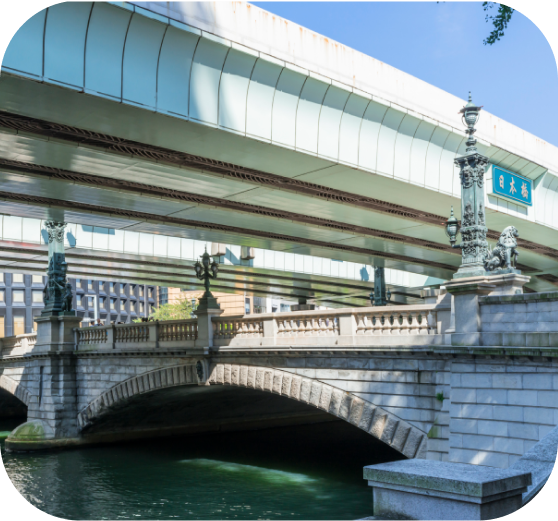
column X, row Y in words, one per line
column 15, row 389
column 383, row 425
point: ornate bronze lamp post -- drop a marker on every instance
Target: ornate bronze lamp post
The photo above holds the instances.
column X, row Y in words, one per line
column 477, row 258
column 57, row 294
column 206, row 270
column 472, row 167
column 380, row 297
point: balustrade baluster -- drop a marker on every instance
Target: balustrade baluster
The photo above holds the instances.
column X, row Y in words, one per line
column 368, row 321
column 361, row 328
column 230, row 324
column 414, row 325
column 395, row 324
column 320, row 327
column 280, row 327
column 386, row 324
column 423, row 326
column 405, row 326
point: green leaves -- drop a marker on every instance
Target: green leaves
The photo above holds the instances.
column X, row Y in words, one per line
column 499, row 21
column 180, row 310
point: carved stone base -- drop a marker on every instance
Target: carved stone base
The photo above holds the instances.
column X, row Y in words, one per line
column 206, row 302
column 303, row 307
column 465, row 272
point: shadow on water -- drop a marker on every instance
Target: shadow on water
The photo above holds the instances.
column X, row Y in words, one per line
column 300, row 472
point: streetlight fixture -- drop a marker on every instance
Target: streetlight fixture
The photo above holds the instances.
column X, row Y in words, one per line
column 472, row 166
column 452, row 229
column 206, row 270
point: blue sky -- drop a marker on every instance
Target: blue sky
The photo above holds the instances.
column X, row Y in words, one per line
column 441, row 43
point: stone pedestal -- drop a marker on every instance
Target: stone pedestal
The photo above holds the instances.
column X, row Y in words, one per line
column 55, row 334
column 52, row 411
column 424, row 489
column 466, row 293
column 206, row 310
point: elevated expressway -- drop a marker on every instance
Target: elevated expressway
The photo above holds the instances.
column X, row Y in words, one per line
column 222, row 123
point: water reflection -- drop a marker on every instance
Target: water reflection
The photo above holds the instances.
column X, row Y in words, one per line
column 303, row 472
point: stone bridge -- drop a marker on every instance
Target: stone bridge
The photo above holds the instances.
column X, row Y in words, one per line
column 471, row 376
column 400, row 373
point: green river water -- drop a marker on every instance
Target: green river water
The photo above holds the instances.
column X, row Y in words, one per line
column 302, row 472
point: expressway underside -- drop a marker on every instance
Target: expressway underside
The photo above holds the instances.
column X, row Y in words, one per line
column 98, row 163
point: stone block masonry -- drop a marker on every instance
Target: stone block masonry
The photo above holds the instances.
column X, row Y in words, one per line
column 470, row 409
column 500, row 409
column 532, row 314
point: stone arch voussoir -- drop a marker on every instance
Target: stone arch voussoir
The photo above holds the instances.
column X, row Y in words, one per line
column 15, row 389
column 144, row 383
column 383, row 425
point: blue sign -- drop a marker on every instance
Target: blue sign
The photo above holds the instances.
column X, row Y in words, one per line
column 512, row 186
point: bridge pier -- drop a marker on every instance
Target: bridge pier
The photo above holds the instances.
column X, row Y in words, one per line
column 52, row 413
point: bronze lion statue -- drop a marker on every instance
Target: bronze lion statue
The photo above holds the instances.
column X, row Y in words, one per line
column 504, row 252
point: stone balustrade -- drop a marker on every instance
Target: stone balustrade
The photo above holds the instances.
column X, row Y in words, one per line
column 178, row 330
column 515, row 321
column 308, row 326
column 143, row 335
column 389, row 325
column 225, row 328
column 17, row 345
column 93, row 335
column 390, row 322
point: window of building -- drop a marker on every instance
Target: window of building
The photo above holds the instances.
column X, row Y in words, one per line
column 17, row 277
column 121, row 288
column 123, row 305
column 150, row 292
column 37, row 279
column 141, row 307
column 142, row 291
column 102, row 301
column 2, row 330
column 247, row 306
column 90, row 285
column 2, row 296
column 90, row 302
column 80, row 300
column 112, row 287
column 78, row 283
column 18, row 295
column 37, row 296
column 285, row 308
column 112, row 303
column 259, row 305
column 19, row 325
column 101, row 285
